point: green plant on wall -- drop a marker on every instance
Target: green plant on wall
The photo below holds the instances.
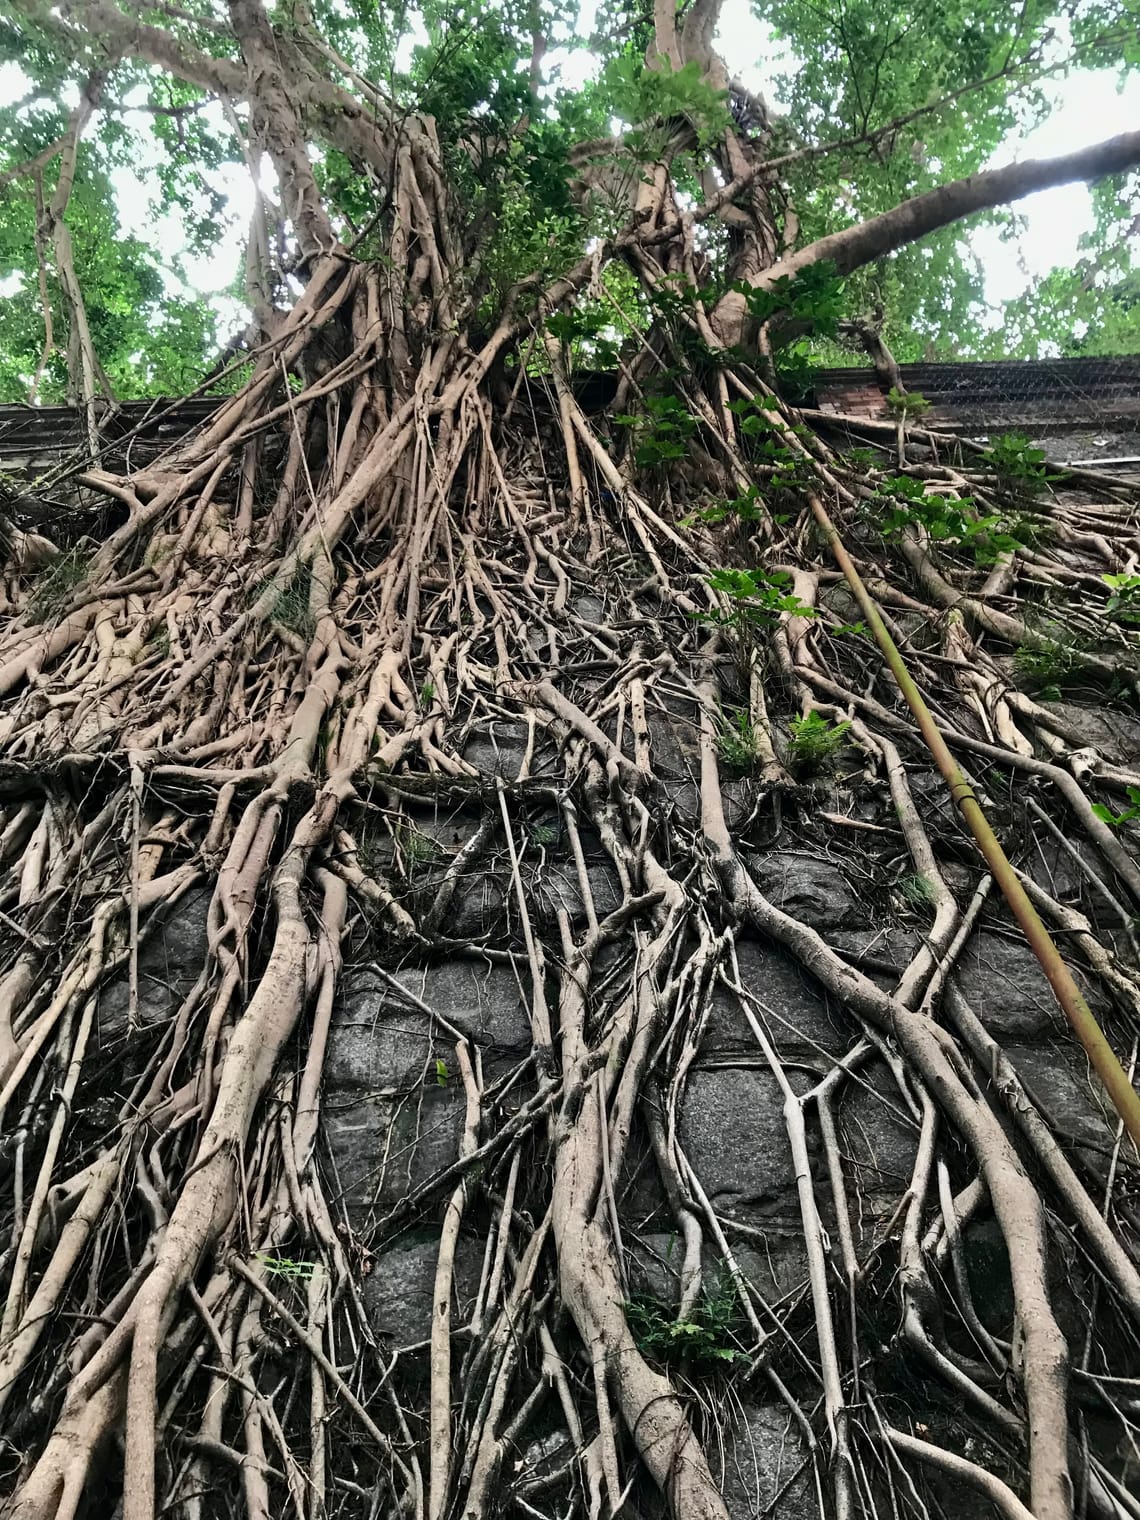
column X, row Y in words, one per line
column 813, row 742
column 662, row 434
column 1123, row 604
column 1128, row 815
column 1046, row 662
column 906, row 405
column 1018, row 465
column 755, row 601
column 417, row 847
column 56, row 584
column 737, row 742
column 707, row 1338
column 952, row 520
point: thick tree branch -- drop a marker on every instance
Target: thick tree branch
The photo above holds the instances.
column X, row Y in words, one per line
column 274, row 122
column 326, row 109
column 78, row 21
column 914, row 219
column 922, row 214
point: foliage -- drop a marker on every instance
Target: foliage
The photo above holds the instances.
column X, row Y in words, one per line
column 150, row 338
column 1018, row 464
column 641, row 96
column 747, row 506
column 662, row 434
column 916, row 891
column 1131, row 812
column 417, row 847
column 1124, row 598
column 588, row 332
column 813, row 298
column 285, row 1266
column 1046, row 660
column 507, row 146
column 1090, row 307
column 708, row 1338
column 291, row 607
column 756, row 601
column 737, row 741
column 952, row 520
column 814, row 741
column 55, row 585
column 756, row 598
column 907, row 404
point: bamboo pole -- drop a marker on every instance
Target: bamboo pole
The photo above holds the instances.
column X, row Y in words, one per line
column 1123, row 1095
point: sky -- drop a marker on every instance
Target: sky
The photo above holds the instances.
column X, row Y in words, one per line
column 1087, row 107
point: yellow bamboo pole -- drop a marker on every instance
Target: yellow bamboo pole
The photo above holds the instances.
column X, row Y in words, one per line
column 1124, row 1097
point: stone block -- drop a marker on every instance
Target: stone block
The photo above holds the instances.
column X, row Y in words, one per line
column 556, row 886
column 800, row 1017
column 390, row 1122
column 170, row 960
column 385, row 1145
column 399, row 1289
column 765, row 1469
column 879, row 1140
column 497, row 748
column 807, row 887
column 1001, row 980
column 732, row 1131
column 1058, row 1076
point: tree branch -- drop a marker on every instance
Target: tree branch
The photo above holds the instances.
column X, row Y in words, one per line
column 275, row 122
column 84, row 19
column 923, row 214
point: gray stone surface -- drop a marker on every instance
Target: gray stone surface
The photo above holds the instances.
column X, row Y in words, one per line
column 800, row 1017
column 652, row 1264
column 807, row 887
column 766, row 1470
column 497, row 749
column 170, row 960
column 557, row 888
column 673, row 746
column 775, row 1266
column 773, row 1261
column 481, row 997
column 1058, row 1076
column 987, row 1266
column 386, row 1144
column 1115, row 734
column 732, row 1130
column 739, row 797
column 398, row 1290
column 1053, row 867
column 889, row 944
column 879, row 1140
column 390, row 1122
column 1006, row 988
column 591, row 609
column 391, row 1125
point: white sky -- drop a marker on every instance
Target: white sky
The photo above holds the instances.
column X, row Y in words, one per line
column 1087, row 107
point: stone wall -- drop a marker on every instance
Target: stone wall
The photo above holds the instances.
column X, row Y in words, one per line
column 393, row 1107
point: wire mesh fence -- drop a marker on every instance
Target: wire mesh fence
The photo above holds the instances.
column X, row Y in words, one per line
column 1081, row 409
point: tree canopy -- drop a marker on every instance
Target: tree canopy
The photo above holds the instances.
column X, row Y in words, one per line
column 878, row 107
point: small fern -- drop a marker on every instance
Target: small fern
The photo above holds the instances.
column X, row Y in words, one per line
column 814, row 740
